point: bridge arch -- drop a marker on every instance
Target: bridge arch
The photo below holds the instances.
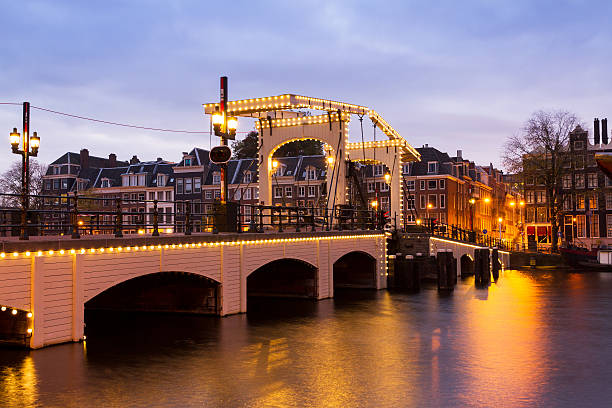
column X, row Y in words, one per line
column 285, row 277
column 355, row 269
column 160, row 292
column 334, row 134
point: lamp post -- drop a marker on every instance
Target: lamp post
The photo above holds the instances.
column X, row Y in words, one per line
column 29, row 148
column 500, row 220
column 225, row 127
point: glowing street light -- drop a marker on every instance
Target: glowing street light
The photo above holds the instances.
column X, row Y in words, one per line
column 330, row 160
column 30, row 145
column 274, row 164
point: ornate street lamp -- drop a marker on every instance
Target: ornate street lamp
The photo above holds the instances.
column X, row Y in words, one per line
column 30, row 145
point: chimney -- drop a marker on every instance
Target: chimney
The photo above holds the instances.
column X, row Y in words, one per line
column 84, row 158
column 604, row 131
column 112, row 160
column 596, row 131
column 159, row 160
column 460, row 154
column 134, row 160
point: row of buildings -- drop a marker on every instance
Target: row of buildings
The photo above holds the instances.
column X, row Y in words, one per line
column 448, row 189
column 586, row 194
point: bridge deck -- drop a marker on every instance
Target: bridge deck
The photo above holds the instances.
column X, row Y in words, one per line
column 57, row 243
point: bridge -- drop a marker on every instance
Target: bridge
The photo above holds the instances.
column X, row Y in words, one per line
column 98, row 262
column 46, row 285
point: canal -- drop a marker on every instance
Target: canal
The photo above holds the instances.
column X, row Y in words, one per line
column 533, row 339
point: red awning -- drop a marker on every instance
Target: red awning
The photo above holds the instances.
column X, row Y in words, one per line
column 542, row 231
column 530, row 230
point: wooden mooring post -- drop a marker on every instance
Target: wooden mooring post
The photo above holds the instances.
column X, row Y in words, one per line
column 495, row 264
column 447, row 271
column 482, row 270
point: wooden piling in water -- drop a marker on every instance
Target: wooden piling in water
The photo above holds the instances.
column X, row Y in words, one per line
column 482, row 270
column 446, row 273
column 495, row 264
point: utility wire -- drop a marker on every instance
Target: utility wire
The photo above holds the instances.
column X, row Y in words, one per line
column 111, row 123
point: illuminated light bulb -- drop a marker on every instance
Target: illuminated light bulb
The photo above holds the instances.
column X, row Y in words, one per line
column 111, row 249
column 14, row 312
column 128, row 248
column 27, row 253
column 135, row 247
column 39, row 253
column 15, row 254
column 51, row 252
column 119, row 249
column 82, row 251
column 3, row 308
column 92, row 250
column 29, row 315
column 29, row 331
column 62, row 252
column 72, row 251
column 2, row 255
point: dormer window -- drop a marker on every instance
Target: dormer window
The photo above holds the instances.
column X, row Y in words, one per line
column 280, row 170
column 432, row 167
column 378, row 170
column 310, row 173
column 56, row 170
column 160, row 180
column 187, row 162
column 216, row 178
column 105, row 182
column 247, row 177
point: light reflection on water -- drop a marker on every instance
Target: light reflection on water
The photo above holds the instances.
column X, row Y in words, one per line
column 532, row 339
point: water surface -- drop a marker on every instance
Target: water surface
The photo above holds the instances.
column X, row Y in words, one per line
column 533, row 339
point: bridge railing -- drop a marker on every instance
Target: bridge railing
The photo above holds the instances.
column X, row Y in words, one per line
column 74, row 215
column 456, row 233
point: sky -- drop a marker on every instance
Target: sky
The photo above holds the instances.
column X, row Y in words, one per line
column 453, row 74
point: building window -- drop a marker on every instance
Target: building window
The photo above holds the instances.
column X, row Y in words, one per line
column 592, row 180
column 594, row 227
column 288, row 192
column 216, row 178
column 433, row 200
column 406, row 168
column 64, row 184
column 217, row 193
column 247, row 177
column 187, row 162
column 566, row 181
column 578, row 145
column 567, row 202
column 179, row 186
column 105, row 183
column 278, row 192
column 423, row 201
column 580, row 201
column 188, row 185
column 442, row 184
column 208, row 194
column 371, row 186
column 432, row 184
column 384, row 203
column 609, row 201
column 237, row 194
column 540, row 196
column 256, row 193
column 197, row 185
column 247, row 194
column 422, row 184
column 581, row 226
column 609, row 225
column 541, row 214
column 311, row 174
column 579, row 180
column 410, row 202
column 160, row 195
column 378, row 170
column 593, row 202
column 160, row 180
column 301, row 191
column 56, row 170
column 312, row 191
column 442, row 200
column 432, row 167
column 384, row 186
column 410, row 185
column 579, row 162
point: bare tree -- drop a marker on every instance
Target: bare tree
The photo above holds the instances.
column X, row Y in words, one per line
column 10, row 183
column 540, row 152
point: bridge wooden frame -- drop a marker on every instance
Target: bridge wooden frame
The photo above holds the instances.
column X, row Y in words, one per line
column 281, row 122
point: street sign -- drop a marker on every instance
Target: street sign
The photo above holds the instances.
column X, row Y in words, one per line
column 484, row 231
column 220, row 154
